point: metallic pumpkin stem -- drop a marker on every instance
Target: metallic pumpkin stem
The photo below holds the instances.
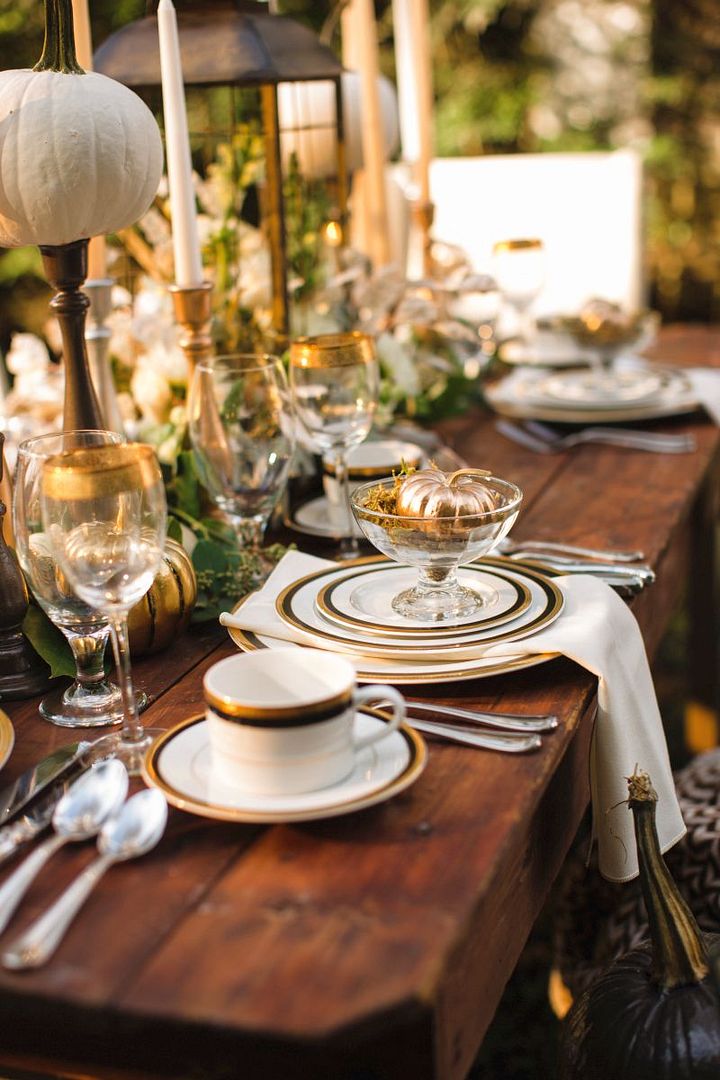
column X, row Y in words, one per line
column 466, row 472
column 679, row 954
column 59, row 45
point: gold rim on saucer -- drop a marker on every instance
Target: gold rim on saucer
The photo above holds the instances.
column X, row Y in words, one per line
column 7, row 737
column 411, row 771
column 327, row 608
column 553, row 607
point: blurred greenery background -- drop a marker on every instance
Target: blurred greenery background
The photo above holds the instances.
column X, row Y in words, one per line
column 520, row 76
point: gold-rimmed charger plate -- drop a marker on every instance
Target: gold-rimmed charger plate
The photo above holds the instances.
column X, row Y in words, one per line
column 294, row 607
column 412, row 673
column 7, row 737
column 509, row 609
column 179, row 764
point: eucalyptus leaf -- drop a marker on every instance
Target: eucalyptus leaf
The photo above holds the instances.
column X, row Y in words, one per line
column 208, row 555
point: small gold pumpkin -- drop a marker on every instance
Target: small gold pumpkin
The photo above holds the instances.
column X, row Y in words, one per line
column 165, row 609
column 431, row 493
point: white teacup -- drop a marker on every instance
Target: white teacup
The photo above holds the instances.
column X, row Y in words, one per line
column 281, row 721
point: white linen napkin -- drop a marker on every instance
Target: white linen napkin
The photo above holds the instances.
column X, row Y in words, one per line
column 599, row 632
column 705, row 383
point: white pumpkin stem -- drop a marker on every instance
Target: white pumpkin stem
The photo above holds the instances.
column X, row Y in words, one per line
column 467, row 472
column 59, row 45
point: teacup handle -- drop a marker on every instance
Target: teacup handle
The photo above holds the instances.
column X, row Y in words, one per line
column 365, row 695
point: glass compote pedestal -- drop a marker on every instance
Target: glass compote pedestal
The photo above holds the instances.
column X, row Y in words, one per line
column 437, row 546
column 91, row 701
column 104, row 514
column 335, row 382
column 241, row 429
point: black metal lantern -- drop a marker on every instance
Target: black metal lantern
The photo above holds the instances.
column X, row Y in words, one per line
column 240, row 63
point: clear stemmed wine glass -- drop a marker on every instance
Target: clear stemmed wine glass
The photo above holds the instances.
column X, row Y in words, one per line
column 91, row 701
column 104, row 513
column 335, row 382
column 518, row 267
column 241, row 430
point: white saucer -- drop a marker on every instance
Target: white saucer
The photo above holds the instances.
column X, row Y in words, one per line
column 179, row 763
column 320, row 518
column 619, row 389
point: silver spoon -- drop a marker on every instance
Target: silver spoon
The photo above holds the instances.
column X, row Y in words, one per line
column 134, row 831
column 79, row 815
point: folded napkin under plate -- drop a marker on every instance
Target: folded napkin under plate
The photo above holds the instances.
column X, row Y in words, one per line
column 598, row 631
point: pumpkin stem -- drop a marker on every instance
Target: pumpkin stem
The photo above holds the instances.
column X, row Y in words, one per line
column 466, row 472
column 679, row 953
column 59, row 46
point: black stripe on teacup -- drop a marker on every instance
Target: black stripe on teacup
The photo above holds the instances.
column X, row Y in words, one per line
column 292, row 717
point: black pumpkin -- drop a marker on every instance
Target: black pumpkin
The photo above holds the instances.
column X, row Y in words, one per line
column 655, row 1013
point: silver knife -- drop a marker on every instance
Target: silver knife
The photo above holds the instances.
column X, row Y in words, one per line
column 29, row 785
column 30, row 824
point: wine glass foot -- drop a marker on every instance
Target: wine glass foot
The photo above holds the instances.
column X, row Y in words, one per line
column 442, row 604
column 77, row 707
column 131, row 753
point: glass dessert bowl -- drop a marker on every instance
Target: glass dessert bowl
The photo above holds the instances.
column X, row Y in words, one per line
column 436, row 521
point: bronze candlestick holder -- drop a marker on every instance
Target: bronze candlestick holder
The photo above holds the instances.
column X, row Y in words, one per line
column 22, row 672
column 66, row 269
column 193, row 312
column 97, row 338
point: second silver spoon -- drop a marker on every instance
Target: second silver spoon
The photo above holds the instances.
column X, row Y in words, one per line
column 79, row 815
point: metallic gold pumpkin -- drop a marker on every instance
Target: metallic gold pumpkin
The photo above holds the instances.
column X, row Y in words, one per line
column 432, row 493
column 165, row 609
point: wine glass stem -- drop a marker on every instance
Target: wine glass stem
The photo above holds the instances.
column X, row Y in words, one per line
column 89, row 655
column 132, row 729
column 250, row 532
column 348, row 545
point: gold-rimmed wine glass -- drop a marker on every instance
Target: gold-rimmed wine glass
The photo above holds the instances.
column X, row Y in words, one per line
column 104, row 513
column 91, row 700
column 242, row 433
column 518, row 266
column 335, row 382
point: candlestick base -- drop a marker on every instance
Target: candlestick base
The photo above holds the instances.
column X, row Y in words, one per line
column 97, row 338
column 193, row 312
column 66, row 268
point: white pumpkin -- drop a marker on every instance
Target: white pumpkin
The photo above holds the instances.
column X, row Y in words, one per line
column 80, row 154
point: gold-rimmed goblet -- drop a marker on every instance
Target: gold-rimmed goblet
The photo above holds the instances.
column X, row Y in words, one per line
column 518, row 266
column 104, row 513
column 241, row 429
column 335, row 382
column 91, row 700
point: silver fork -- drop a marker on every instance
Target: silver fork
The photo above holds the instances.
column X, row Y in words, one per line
column 543, row 440
column 510, row 547
column 503, row 721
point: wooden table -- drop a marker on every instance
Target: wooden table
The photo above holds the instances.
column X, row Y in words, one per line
column 375, row 945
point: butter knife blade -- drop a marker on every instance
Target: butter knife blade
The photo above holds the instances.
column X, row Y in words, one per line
column 21, row 792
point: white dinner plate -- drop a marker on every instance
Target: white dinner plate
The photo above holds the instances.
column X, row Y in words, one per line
column 370, row 669
column 179, row 763
column 518, row 396
column 360, row 598
column 296, row 607
column 576, row 389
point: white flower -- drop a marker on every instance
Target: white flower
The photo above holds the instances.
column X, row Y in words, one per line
column 27, row 353
column 399, row 363
column 151, row 391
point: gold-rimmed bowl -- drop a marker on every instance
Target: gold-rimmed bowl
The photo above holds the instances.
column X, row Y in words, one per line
column 436, row 546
